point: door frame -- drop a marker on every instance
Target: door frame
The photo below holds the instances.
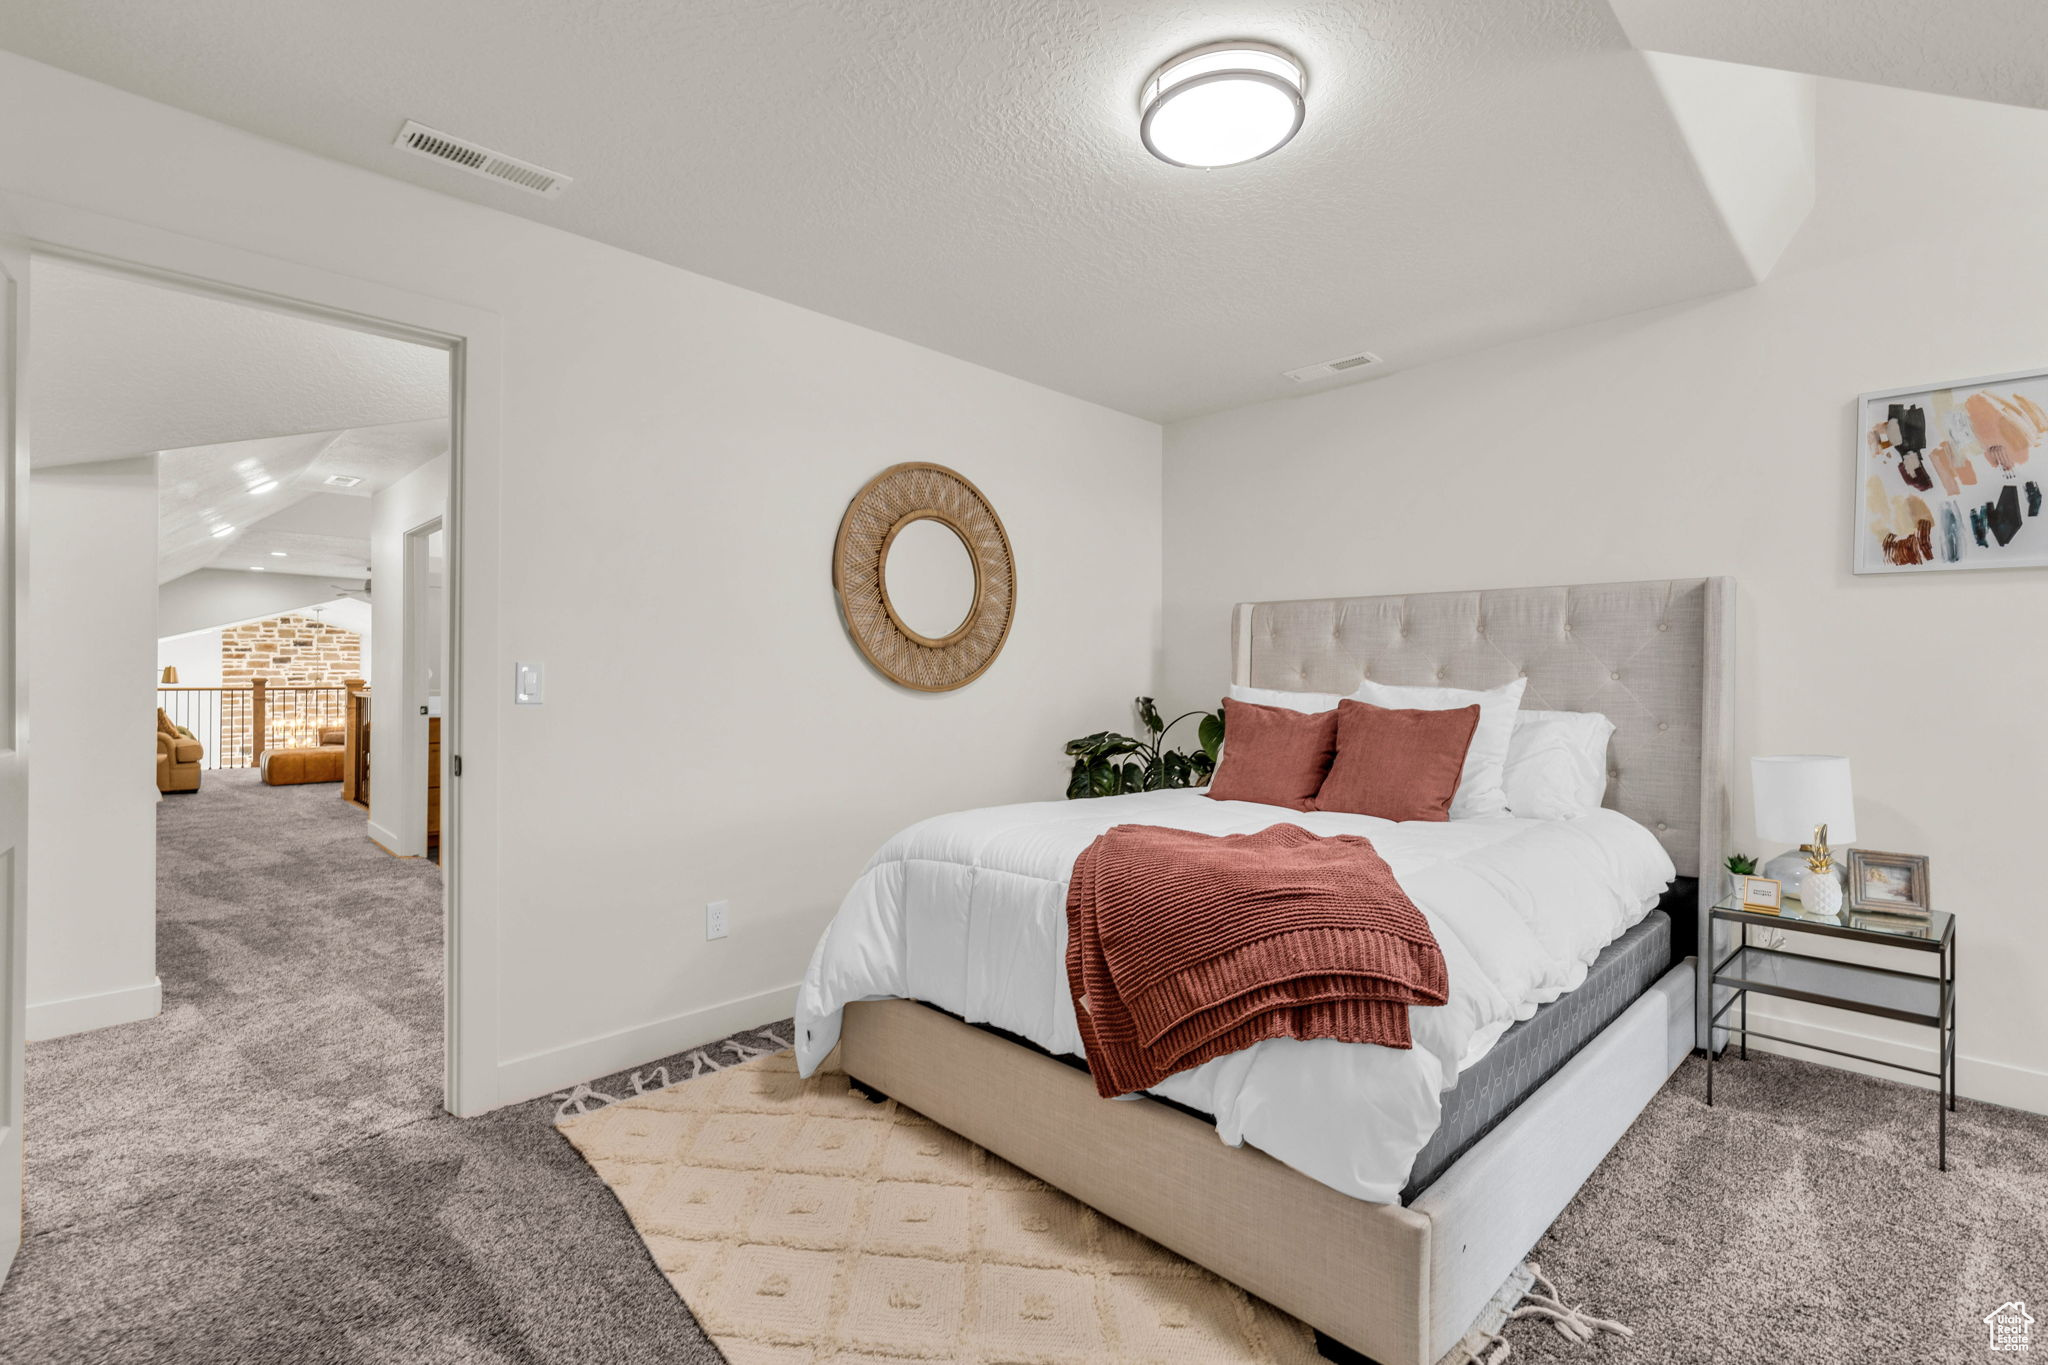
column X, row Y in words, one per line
column 474, row 341
column 417, row 579
column 14, row 731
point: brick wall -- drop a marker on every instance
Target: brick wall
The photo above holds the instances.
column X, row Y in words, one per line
column 287, row 652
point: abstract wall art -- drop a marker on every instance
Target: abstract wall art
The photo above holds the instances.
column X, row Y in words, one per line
column 1951, row 477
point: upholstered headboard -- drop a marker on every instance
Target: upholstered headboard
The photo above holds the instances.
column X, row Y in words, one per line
column 1655, row 657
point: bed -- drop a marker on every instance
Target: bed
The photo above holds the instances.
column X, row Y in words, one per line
column 1389, row 1243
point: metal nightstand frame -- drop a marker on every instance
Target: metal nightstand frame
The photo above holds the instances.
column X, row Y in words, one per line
column 1912, row 997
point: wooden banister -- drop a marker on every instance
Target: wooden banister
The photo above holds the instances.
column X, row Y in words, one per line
column 259, row 722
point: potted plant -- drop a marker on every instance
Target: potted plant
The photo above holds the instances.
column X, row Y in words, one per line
column 1739, row 865
column 1110, row 764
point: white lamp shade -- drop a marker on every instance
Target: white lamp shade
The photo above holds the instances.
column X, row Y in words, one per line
column 1796, row 792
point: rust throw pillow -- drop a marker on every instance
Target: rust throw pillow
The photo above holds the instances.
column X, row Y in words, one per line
column 1398, row 765
column 1272, row 755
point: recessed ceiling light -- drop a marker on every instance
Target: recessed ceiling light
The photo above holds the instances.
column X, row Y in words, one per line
column 220, row 531
column 277, row 554
column 1222, row 105
column 268, row 485
column 257, row 568
column 343, row 480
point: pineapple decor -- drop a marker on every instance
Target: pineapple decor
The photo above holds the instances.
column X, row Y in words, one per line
column 1819, row 892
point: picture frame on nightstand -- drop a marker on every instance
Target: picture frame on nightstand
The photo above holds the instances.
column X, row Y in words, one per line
column 1763, row 894
column 1889, row 883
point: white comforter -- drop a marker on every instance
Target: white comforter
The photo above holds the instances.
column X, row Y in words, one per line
column 968, row 912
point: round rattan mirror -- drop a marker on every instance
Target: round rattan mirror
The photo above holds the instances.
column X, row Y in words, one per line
column 923, row 612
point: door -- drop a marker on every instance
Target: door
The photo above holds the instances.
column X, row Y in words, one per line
column 13, row 731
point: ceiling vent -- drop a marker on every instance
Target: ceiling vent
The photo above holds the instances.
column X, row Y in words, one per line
column 1344, row 364
column 460, row 152
column 342, row 480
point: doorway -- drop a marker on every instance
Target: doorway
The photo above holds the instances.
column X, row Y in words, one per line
column 235, row 906
column 470, row 342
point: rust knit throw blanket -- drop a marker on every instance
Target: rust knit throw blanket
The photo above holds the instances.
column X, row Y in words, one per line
column 1182, row 947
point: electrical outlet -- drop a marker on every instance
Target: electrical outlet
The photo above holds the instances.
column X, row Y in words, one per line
column 714, row 919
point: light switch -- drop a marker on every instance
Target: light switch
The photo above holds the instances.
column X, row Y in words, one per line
column 526, row 684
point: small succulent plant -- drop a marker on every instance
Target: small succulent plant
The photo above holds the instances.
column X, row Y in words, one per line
column 1741, row 864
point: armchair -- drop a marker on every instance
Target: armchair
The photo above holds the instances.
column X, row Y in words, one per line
column 178, row 757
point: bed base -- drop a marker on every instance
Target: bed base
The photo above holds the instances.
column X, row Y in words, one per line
column 1397, row 1285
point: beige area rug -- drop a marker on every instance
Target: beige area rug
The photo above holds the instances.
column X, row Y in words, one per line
column 802, row 1223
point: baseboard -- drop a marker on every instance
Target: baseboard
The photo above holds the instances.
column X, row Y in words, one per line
column 80, row 1013
column 386, row 840
column 541, row 1073
column 2015, row 1087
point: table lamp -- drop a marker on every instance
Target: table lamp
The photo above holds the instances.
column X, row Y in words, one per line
column 1804, row 799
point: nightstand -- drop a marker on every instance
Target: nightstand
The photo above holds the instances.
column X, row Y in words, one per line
column 1912, row 997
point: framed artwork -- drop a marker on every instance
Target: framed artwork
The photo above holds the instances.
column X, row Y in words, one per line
column 1888, row 883
column 1762, row 893
column 1952, row 477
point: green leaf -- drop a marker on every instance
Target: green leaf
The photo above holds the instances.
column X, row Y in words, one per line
column 1077, row 785
column 1104, row 778
column 1202, row 766
column 1174, row 768
column 1101, row 744
column 1148, row 715
column 1211, row 732
column 1132, row 778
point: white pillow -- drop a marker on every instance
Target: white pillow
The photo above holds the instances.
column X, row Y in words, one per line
column 1479, row 782
column 1557, row 764
column 1308, row 703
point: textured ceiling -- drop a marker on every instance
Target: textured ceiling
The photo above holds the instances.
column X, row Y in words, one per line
column 122, row 368
column 321, row 529
column 1982, row 49
column 968, row 176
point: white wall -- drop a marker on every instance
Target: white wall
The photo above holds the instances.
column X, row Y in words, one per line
column 223, row 597
column 92, row 818
column 196, row 656
column 676, row 457
column 398, row 737
column 1716, row 438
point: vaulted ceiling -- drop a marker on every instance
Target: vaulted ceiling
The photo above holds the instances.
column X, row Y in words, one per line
column 272, row 430
column 967, row 176
column 268, row 505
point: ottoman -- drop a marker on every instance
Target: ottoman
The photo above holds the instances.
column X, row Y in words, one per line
column 290, row 767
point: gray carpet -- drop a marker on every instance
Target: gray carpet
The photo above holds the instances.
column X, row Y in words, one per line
column 1802, row 1219
column 264, row 1172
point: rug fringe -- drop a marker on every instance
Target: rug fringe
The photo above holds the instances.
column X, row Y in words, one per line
column 1528, row 1293
column 582, row 1098
column 1573, row 1324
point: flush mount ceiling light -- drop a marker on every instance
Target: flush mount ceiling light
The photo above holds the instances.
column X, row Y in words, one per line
column 1222, row 105
column 342, row 480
